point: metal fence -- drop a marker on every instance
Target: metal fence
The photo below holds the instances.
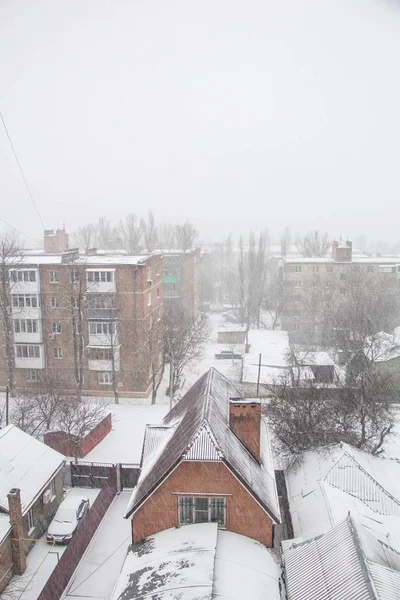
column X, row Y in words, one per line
column 94, row 474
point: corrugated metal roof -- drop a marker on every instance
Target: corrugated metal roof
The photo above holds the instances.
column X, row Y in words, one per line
column 204, row 446
column 347, row 563
column 155, row 436
column 25, row 463
column 208, row 400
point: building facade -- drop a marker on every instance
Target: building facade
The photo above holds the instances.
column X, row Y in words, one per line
column 310, row 284
column 181, row 281
column 91, row 321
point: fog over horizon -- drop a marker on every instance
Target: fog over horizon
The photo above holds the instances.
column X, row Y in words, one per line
column 234, row 115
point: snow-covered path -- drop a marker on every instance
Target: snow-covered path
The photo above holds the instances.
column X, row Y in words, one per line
column 99, row 568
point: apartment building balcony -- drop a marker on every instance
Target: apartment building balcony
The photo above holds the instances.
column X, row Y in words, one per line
column 100, row 358
column 25, row 337
column 103, row 339
column 101, row 314
column 24, row 281
column 27, row 312
column 100, row 281
column 29, row 356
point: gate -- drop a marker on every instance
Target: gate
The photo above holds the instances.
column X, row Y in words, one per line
column 90, row 474
column 129, row 475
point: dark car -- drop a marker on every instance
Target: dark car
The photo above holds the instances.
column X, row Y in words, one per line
column 67, row 519
column 226, row 354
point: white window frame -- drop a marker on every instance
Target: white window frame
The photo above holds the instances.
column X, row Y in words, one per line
column 182, row 500
column 315, row 268
column 53, row 301
column 297, row 268
column 100, row 276
column 52, row 488
column 149, row 299
column 103, row 375
column 26, row 351
column 56, row 327
column 36, row 377
column 57, row 353
column 31, row 521
column 53, row 276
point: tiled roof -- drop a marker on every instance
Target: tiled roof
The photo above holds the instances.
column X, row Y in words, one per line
column 347, row 563
column 25, row 463
column 202, row 432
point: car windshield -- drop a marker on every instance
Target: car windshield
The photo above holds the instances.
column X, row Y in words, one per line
column 65, row 515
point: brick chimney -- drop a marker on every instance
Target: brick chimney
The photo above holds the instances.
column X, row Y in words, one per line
column 17, row 543
column 245, row 422
column 342, row 251
column 55, row 242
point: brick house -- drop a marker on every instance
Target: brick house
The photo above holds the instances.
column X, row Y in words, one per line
column 31, row 489
column 209, row 461
column 103, row 304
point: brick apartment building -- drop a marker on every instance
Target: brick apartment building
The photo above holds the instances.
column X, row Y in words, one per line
column 181, row 281
column 103, row 308
column 209, row 461
column 308, row 281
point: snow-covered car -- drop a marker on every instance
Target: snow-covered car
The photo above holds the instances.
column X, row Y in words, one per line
column 67, row 519
column 225, row 354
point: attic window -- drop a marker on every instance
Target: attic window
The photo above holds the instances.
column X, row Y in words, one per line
column 201, row 510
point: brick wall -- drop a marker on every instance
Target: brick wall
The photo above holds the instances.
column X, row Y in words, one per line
column 243, row 514
column 245, row 422
column 61, row 441
column 68, row 562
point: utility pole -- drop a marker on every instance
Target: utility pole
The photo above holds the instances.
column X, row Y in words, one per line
column 259, row 372
column 7, row 393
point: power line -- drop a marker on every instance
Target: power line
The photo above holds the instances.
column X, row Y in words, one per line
column 17, row 230
column 20, row 168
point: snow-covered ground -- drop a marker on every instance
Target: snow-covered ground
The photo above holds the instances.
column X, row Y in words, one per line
column 43, row 558
column 100, row 566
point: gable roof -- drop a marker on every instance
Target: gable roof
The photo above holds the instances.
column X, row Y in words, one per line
column 345, row 563
column 25, row 463
column 201, row 431
column 332, row 481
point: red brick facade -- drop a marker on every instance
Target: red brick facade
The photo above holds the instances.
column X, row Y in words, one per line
column 245, row 422
column 243, row 514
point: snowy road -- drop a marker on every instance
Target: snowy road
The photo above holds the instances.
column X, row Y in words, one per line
column 99, row 568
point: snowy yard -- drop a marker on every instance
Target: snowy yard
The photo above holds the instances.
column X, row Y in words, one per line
column 43, row 558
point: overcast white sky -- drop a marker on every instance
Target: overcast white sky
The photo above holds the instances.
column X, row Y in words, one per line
column 231, row 113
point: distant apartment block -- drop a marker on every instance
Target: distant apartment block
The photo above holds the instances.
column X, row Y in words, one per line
column 306, row 280
column 181, row 281
column 103, row 308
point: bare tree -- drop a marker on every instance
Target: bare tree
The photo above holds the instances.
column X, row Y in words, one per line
column 85, row 237
column 24, row 414
column 10, row 257
column 130, row 232
column 314, row 243
column 186, row 235
column 166, row 235
column 150, row 232
column 105, row 233
column 274, row 301
column 76, row 419
column 184, row 340
column 285, row 241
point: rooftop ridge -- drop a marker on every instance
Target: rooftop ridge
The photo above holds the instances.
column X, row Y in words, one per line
column 364, row 562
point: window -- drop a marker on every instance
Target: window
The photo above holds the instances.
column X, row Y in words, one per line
column 105, row 378
column 52, row 489
column 74, row 276
column 102, row 301
column 149, row 299
column 315, row 269
column 158, row 293
column 31, row 521
column 25, row 300
column 26, row 276
column 169, row 287
column 329, row 268
column 99, row 354
column 102, row 327
column 25, row 326
column 57, row 353
column 75, row 302
column 297, row 268
column 56, row 326
column 33, row 375
column 158, row 269
column 149, row 273
column 100, row 276
column 315, row 284
column 53, row 302
column 53, row 277
column 297, row 283
column 202, row 510
column 296, row 327
column 25, row 351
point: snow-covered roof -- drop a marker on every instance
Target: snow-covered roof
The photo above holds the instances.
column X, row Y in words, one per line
column 232, row 328
column 314, row 358
column 95, row 260
column 272, row 344
column 382, row 347
column 5, row 525
column 202, row 432
column 330, row 482
column 377, row 260
column 270, row 375
column 345, row 563
column 196, row 562
column 25, row 463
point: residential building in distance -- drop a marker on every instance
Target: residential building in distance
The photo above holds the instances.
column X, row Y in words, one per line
column 89, row 318
column 181, row 281
column 310, row 282
column 31, row 490
column 208, row 461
